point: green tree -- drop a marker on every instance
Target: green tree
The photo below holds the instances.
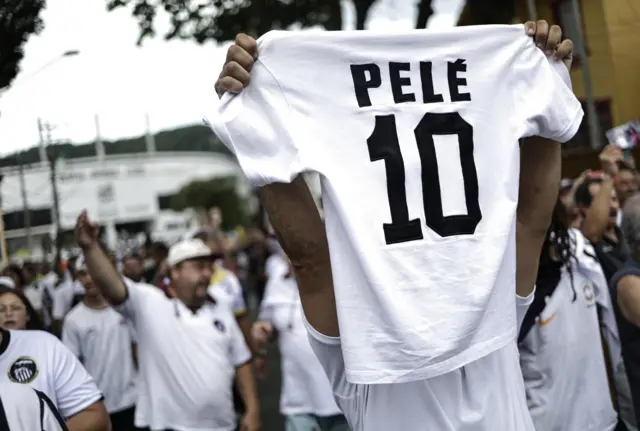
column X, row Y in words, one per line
column 222, row 20
column 217, row 192
column 18, row 20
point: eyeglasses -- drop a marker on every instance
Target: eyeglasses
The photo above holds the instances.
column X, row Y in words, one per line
column 12, row 308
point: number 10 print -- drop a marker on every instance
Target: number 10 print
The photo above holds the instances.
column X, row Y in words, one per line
column 383, row 145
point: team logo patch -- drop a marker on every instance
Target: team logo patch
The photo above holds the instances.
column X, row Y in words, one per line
column 23, row 370
column 218, row 324
column 588, row 293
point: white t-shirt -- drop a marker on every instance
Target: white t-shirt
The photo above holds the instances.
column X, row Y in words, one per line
column 47, row 286
column 23, row 409
column 34, row 295
column 305, row 387
column 229, row 286
column 187, row 361
column 275, row 265
column 562, row 358
column 63, row 296
column 39, row 360
column 416, row 173
column 486, row 395
column 102, row 340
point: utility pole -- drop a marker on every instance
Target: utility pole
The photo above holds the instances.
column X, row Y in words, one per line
column 3, row 242
column 25, row 203
column 52, row 158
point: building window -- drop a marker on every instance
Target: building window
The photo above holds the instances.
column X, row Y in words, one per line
column 563, row 16
column 581, row 141
column 164, row 202
column 15, row 219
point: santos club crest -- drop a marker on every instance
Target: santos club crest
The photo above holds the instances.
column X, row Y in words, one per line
column 23, row 370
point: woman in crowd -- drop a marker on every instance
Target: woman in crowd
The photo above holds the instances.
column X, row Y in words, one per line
column 16, row 311
column 561, row 330
column 35, row 358
column 306, row 398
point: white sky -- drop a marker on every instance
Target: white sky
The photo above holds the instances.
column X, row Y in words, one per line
column 120, row 82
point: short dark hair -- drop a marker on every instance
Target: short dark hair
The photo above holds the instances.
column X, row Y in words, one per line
column 582, row 196
column 31, row 268
column 132, row 255
column 17, row 271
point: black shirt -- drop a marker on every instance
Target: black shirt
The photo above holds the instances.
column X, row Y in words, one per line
column 629, row 335
column 611, row 254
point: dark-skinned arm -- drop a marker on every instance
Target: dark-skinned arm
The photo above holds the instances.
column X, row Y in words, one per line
column 104, row 274
column 300, row 230
column 540, row 171
column 628, row 297
column 93, row 418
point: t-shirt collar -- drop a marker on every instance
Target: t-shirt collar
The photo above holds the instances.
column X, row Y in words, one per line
column 6, row 338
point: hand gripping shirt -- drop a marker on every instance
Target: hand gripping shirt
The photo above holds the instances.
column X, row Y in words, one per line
column 415, row 137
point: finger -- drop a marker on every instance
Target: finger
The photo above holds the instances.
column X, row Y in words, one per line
column 554, row 39
column 564, row 50
column 228, row 84
column 530, row 27
column 542, row 31
column 247, row 43
column 241, row 56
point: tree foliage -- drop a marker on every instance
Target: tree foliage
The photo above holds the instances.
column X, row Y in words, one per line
column 222, row 20
column 18, row 20
column 189, row 138
column 218, row 192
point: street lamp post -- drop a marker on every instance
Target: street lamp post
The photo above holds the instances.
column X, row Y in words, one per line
column 23, row 191
column 65, row 54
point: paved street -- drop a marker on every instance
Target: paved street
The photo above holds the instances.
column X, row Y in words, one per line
column 269, row 390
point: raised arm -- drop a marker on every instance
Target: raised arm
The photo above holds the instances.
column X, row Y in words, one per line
column 596, row 218
column 540, row 171
column 100, row 267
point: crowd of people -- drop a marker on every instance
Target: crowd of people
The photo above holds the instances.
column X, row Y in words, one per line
column 162, row 338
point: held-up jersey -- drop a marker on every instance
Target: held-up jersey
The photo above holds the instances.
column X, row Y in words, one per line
column 415, row 136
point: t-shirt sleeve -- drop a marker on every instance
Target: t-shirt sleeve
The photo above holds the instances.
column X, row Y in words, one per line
column 75, row 389
column 238, row 349
column 522, row 306
column 71, row 337
column 62, row 299
column 136, row 294
column 34, row 295
column 545, row 104
column 235, row 291
column 258, row 126
column 328, row 350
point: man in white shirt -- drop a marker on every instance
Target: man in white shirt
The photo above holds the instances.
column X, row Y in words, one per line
column 486, row 394
column 190, row 347
column 39, row 360
column 102, row 339
column 306, row 398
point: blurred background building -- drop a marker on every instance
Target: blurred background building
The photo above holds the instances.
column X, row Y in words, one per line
column 128, row 186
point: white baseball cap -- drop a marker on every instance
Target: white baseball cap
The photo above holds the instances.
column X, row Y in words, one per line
column 7, row 282
column 187, row 249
